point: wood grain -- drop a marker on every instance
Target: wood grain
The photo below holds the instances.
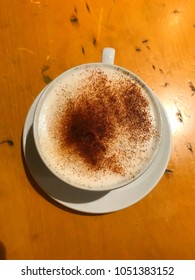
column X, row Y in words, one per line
column 40, row 40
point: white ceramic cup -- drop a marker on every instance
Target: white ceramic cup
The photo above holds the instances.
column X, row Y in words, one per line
column 97, row 126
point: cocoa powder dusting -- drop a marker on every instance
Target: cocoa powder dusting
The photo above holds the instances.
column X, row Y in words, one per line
column 92, row 120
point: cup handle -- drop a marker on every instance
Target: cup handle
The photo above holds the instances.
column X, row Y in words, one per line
column 108, row 55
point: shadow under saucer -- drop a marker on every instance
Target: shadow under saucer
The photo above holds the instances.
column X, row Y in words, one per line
column 49, row 183
column 2, row 251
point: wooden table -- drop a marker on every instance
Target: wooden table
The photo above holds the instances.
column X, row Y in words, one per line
column 39, row 39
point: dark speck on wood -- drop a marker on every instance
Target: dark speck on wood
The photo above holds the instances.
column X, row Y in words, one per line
column 192, row 87
column 176, row 12
column 138, row 49
column 83, row 50
column 87, row 6
column 74, row 20
column 189, row 146
column 9, row 142
column 168, row 171
column 179, row 115
column 44, row 68
column 46, row 79
column 161, row 71
column 153, row 66
column 94, row 42
column 145, row 41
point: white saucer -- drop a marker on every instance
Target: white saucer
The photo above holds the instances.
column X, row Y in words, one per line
column 95, row 201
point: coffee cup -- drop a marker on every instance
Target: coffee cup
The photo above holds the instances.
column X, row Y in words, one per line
column 97, row 126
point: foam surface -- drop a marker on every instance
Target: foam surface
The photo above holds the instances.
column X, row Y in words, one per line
column 97, row 128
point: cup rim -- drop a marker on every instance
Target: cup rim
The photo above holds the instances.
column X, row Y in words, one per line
column 44, row 95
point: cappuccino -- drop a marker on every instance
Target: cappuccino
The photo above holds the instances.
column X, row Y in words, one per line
column 97, row 127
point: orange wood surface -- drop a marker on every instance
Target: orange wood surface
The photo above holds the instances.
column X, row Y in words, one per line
column 39, row 39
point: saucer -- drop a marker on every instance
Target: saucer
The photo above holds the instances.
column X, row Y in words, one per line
column 95, row 202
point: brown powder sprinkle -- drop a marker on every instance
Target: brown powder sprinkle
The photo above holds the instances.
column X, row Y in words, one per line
column 92, row 120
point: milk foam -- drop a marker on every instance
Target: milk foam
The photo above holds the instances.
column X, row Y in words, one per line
column 134, row 156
